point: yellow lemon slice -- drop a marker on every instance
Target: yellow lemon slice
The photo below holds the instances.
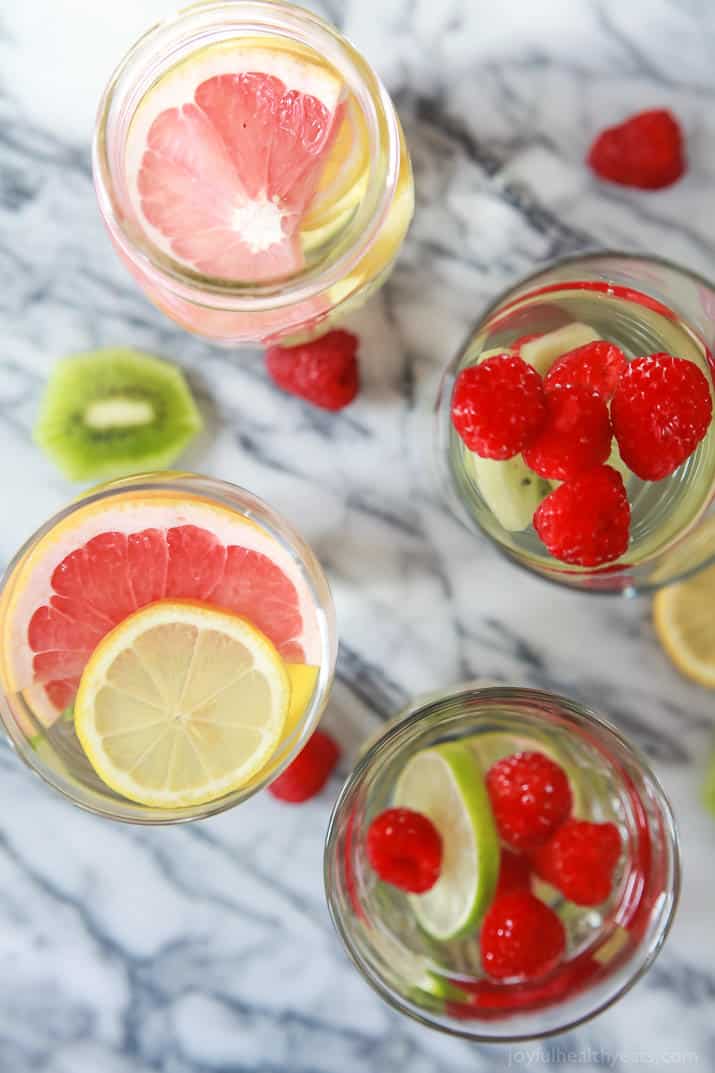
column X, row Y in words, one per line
column 684, row 619
column 180, row 704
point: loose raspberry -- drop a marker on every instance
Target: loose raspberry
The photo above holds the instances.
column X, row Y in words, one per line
column 646, row 151
column 575, row 437
column 661, row 411
column 324, row 372
column 405, row 849
column 498, row 406
column 587, row 520
column 514, row 872
column 520, row 938
column 579, row 860
column 308, row 773
column 530, row 796
column 595, row 366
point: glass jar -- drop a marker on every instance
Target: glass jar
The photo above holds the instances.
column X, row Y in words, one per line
column 38, row 717
column 645, row 306
column 342, row 261
column 442, row 983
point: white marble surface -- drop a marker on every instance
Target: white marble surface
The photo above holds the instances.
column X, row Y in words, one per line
column 208, row 948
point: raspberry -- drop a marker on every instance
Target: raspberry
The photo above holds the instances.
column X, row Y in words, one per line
column 514, row 872
column 530, row 796
column 405, row 849
column 576, row 435
column 308, row 773
column 579, row 860
column 645, row 150
column 587, row 520
column 595, row 366
column 520, row 938
column 661, row 411
column 324, row 372
column 498, row 406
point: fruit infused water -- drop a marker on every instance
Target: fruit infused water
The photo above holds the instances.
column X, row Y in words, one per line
column 251, row 171
column 501, row 863
column 167, row 647
column 577, row 427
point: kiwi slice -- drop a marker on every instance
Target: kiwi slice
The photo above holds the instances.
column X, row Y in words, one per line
column 114, row 412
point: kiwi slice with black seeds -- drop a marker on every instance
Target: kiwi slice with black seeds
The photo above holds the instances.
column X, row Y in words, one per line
column 114, row 412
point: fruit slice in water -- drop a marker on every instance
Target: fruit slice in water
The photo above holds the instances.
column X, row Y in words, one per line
column 109, row 413
column 181, row 703
column 110, row 558
column 446, row 785
column 510, row 489
column 543, row 351
column 225, row 154
column 351, row 293
column 343, row 181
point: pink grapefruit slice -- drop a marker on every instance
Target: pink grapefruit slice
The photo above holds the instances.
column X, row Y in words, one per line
column 107, row 560
column 226, row 152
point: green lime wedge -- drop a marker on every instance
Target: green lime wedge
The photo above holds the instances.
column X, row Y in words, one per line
column 446, row 784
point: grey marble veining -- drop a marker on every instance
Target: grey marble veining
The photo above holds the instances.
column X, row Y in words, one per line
column 208, row 949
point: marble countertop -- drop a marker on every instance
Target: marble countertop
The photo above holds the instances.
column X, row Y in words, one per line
column 208, row 948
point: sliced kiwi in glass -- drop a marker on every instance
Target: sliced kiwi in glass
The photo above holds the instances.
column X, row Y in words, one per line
column 114, row 412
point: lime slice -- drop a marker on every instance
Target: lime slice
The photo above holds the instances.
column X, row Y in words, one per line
column 445, row 784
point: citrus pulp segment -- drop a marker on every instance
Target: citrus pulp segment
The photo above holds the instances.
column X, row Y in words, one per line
column 225, row 153
column 180, row 704
column 445, row 784
column 109, row 558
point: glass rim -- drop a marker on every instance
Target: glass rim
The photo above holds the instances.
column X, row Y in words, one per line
column 576, row 712
column 242, row 297
column 553, row 575
column 289, row 538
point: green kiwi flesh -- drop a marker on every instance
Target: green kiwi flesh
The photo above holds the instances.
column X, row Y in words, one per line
column 114, row 412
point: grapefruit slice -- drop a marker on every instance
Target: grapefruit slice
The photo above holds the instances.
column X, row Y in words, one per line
column 107, row 560
column 226, row 152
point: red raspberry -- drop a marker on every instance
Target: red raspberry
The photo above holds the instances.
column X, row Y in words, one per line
column 324, row 372
column 576, row 435
column 530, row 796
column 595, row 366
column 498, row 406
column 520, row 938
column 587, row 520
column 579, row 860
column 645, row 150
column 405, row 849
column 661, row 411
column 514, row 872
column 308, row 773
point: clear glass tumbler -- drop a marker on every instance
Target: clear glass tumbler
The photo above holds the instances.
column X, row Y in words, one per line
column 646, row 306
column 442, row 983
column 127, row 547
column 251, row 170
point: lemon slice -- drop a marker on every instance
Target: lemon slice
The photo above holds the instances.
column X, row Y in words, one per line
column 180, row 704
column 445, row 784
column 685, row 624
